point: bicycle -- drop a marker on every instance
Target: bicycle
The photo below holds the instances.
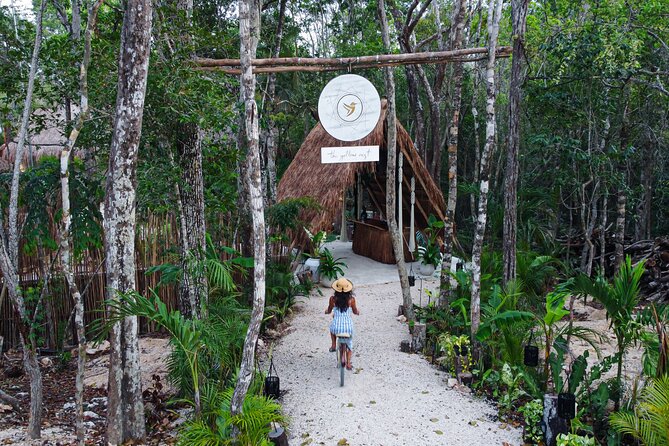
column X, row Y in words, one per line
column 342, row 348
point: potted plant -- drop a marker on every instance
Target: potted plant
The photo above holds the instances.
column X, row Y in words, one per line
column 312, row 261
column 429, row 253
column 330, row 269
column 430, row 257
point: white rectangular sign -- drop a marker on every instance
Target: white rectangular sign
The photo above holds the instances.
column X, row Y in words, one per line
column 355, row 154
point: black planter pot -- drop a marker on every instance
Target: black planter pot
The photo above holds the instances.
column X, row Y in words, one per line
column 531, row 356
column 272, row 387
column 412, row 280
column 567, row 406
column 461, row 350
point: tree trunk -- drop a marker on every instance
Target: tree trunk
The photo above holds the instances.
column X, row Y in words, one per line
column 494, row 14
column 621, row 205
column 457, row 38
column 588, row 220
column 391, row 199
column 193, row 286
column 602, row 232
column 125, row 413
column 272, row 138
column 66, row 235
column 249, row 31
column 9, row 249
column 642, row 227
column 518, row 19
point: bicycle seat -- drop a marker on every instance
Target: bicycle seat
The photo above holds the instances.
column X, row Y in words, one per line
column 343, row 335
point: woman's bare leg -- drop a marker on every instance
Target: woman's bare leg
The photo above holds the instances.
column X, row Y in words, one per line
column 334, row 342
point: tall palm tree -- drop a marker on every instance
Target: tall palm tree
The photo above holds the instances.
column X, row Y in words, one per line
column 620, row 299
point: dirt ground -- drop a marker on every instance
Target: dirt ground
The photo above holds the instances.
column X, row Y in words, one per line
column 59, row 379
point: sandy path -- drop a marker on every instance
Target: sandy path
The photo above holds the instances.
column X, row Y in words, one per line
column 391, row 398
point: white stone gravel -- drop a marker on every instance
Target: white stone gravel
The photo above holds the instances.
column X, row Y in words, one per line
column 390, row 398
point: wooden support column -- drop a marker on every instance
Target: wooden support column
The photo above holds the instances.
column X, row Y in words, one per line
column 343, row 235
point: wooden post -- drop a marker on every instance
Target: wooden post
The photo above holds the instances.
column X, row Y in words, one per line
column 400, row 223
column 412, row 230
column 358, row 189
column 343, row 236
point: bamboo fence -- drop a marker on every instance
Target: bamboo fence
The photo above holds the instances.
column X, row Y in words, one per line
column 156, row 243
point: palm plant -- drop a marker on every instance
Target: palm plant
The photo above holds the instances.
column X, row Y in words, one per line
column 500, row 315
column 330, row 268
column 556, row 335
column 182, row 331
column 215, row 427
column 649, row 422
column 620, row 300
column 208, row 348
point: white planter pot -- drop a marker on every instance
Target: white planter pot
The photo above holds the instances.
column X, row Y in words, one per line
column 312, row 264
column 426, row 269
column 327, row 283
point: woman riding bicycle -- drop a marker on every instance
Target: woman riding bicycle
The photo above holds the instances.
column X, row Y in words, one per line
column 343, row 304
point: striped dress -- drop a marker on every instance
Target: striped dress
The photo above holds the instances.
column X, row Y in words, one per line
column 343, row 323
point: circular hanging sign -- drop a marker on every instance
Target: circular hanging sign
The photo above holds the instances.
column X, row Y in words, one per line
column 349, row 107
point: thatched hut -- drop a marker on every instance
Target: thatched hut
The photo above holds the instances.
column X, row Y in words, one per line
column 45, row 139
column 328, row 184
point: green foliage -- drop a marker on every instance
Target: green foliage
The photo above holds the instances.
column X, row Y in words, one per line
column 447, row 344
column 215, row 427
column 281, row 291
column 620, row 300
column 329, row 267
column 219, row 272
column 500, row 317
column 429, row 251
column 318, row 240
column 285, row 214
column 506, row 385
column 533, row 412
column 649, row 422
column 575, row 440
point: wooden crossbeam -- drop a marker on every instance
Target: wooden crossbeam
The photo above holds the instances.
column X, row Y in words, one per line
column 315, row 64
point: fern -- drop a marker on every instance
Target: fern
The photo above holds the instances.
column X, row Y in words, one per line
column 649, row 422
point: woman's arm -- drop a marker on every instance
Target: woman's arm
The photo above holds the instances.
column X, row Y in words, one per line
column 331, row 305
column 354, row 306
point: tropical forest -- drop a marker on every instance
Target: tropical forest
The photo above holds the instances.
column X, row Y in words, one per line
column 307, row 222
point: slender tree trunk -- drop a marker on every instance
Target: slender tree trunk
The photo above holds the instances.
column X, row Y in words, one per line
column 642, row 227
column 602, row 232
column 193, row 286
column 457, row 38
column 9, row 250
column 518, row 19
column 621, row 204
column 249, row 32
column 494, row 14
column 391, row 199
column 272, row 138
column 125, row 412
column 66, row 234
column 417, row 112
column 588, row 221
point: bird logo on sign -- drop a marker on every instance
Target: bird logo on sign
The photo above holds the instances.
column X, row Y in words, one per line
column 350, row 108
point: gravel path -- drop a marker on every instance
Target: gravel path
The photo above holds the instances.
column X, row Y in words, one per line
column 390, row 398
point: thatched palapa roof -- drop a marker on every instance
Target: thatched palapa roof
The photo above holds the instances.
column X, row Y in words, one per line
column 307, row 176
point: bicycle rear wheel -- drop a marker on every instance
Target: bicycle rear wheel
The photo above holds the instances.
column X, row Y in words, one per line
column 342, row 364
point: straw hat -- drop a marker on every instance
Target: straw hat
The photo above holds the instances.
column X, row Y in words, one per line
column 342, row 285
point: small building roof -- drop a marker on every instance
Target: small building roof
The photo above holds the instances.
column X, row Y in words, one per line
column 307, row 176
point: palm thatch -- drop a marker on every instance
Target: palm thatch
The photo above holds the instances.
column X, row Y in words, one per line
column 45, row 138
column 325, row 183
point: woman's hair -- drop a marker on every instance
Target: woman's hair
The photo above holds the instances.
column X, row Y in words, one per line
column 341, row 300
